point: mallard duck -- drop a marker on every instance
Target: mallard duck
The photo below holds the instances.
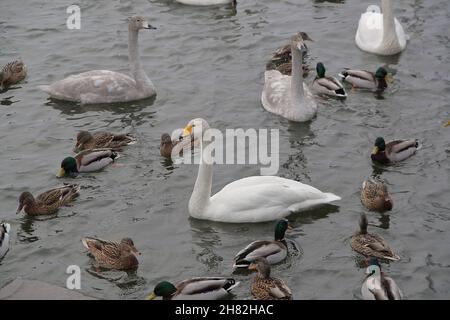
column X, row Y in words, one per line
column 49, row 201
column 375, row 195
column 201, row 288
column 5, row 228
column 274, row 251
column 379, row 286
column 281, row 59
column 86, row 161
column 379, row 31
column 265, row 287
column 365, row 79
column 102, row 139
column 369, row 244
column 113, row 255
column 327, row 85
column 393, row 151
column 12, row 73
column 167, row 145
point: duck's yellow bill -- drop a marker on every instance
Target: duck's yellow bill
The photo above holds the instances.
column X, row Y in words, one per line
column 187, row 131
column 151, row 296
column 375, row 150
column 447, row 124
column 61, row 173
column 389, row 79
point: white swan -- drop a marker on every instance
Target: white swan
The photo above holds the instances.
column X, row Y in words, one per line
column 252, row 199
column 103, row 86
column 205, row 2
column 380, row 32
column 287, row 95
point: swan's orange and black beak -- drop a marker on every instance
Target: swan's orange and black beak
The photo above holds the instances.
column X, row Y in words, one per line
column 150, row 27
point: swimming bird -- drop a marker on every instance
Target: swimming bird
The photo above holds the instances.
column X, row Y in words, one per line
column 87, row 161
column 251, row 199
column 48, row 202
column 365, row 79
column 265, row 287
column 12, row 73
column 327, row 85
column 102, row 139
column 103, row 86
column 167, row 145
column 207, row 2
column 393, row 151
column 288, row 96
column 273, row 251
column 281, row 59
column 379, row 31
column 5, row 229
column 200, row 288
column 369, row 244
column 378, row 285
column 113, row 255
column 375, row 195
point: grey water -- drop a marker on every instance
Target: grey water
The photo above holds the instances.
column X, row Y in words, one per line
column 209, row 62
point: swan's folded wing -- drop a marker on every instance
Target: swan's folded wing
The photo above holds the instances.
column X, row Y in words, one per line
column 370, row 30
column 275, row 94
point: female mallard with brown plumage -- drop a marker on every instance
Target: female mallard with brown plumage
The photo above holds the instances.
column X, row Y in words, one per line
column 365, row 79
column 378, row 285
column 329, row 86
column 273, row 251
column 375, row 195
column 12, row 73
column 281, row 59
column 201, row 288
column 102, row 139
column 113, row 255
column 87, row 161
column 49, row 201
column 369, row 244
column 265, row 287
column 393, row 151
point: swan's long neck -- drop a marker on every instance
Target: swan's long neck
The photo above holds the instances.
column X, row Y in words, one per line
column 389, row 33
column 135, row 60
column 201, row 195
column 297, row 74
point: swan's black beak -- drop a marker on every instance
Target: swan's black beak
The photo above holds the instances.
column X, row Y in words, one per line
column 150, row 27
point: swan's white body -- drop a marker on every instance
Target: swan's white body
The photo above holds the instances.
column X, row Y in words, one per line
column 104, row 86
column 379, row 31
column 5, row 228
column 286, row 95
column 204, row 2
column 252, row 199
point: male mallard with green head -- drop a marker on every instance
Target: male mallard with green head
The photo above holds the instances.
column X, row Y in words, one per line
column 393, row 151
column 49, row 201
column 375, row 195
column 86, row 161
column 378, row 285
column 265, row 287
column 365, row 79
column 102, row 139
column 12, row 73
column 113, row 255
column 201, row 288
column 274, row 251
column 327, row 85
column 370, row 244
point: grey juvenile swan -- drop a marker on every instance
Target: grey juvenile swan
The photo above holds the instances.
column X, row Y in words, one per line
column 104, row 86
